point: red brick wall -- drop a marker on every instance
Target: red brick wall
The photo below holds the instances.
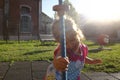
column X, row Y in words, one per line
column 14, row 17
column 1, row 3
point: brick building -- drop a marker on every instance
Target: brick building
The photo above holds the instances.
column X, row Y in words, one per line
column 46, row 22
column 20, row 19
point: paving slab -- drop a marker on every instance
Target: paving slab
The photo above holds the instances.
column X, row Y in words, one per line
column 84, row 77
column 36, row 71
column 39, row 69
column 19, row 71
column 4, row 66
column 99, row 76
column 116, row 75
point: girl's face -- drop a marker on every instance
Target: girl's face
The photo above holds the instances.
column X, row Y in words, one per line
column 73, row 45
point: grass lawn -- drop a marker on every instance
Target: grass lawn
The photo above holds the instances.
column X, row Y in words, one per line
column 110, row 58
column 35, row 50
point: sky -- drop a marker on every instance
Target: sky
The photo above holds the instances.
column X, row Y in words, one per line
column 47, row 6
column 92, row 9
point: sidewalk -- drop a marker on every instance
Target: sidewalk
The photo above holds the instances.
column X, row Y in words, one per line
column 36, row 70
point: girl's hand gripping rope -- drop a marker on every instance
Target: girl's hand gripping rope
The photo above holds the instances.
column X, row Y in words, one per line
column 60, row 63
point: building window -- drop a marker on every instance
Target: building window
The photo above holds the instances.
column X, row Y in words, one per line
column 25, row 10
column 25, row 26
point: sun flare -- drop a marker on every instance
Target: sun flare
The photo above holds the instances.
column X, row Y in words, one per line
column 100, row 10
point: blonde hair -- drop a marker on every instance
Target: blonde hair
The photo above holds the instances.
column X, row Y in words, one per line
column 73, row 34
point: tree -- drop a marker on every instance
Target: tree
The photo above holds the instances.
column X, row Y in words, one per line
column 72, row 12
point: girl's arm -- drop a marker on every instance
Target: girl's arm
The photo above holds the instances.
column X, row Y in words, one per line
column 92, row 61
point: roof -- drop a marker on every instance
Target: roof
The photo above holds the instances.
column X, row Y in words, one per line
column 46, row 18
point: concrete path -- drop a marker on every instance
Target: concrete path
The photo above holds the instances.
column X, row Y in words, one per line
column 36, row 70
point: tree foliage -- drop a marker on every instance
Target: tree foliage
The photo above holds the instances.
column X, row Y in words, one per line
column 72, row 12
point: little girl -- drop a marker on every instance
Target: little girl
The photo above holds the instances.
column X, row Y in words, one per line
column 76, row 50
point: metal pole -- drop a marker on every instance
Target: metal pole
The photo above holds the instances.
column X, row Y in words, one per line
column 5, row 23
column 63, row 41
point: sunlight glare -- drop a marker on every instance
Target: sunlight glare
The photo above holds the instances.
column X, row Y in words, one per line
column 99, row 10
